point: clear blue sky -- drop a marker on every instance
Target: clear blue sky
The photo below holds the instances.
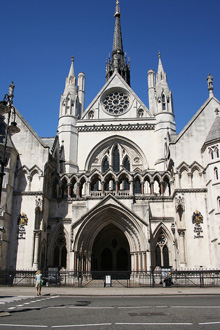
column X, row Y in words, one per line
column 38, row 39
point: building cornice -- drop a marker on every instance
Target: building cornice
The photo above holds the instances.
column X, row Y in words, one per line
column 120, row 127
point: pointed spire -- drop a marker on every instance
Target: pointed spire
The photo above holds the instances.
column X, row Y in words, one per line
column 71, row 72
column 117, row 41
column 160, row 71
column 118, row 62
column 71, row 80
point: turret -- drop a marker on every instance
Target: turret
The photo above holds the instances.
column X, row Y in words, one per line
column 165, row 120
column 81, row 92
column 152, row 91
column 71, row 105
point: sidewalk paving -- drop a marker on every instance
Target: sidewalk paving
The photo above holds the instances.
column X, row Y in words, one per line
column 108, row 291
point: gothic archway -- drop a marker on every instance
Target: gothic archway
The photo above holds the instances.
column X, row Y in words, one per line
column 112, row 231
column 110, row 251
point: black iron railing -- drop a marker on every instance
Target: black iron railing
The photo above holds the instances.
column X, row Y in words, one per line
column 183, row 278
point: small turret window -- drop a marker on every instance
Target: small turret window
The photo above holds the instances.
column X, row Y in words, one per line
column 91, row 114
column 216, row 173
column 163, row 102
column 140, row 113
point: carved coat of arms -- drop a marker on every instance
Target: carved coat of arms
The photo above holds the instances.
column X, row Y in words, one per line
column 22, row 221
column 197, row 217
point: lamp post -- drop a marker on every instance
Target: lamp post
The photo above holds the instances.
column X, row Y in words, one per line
column 7, row 107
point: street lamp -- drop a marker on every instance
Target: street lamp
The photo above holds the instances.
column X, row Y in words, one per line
column 7, row 107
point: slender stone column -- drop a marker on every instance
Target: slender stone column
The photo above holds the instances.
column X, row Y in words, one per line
column 78, row 191
column 152, row 188
column 145, row 261
column 137, row 264
column 69, row 190
column 132, row 262
column 75, row 262
column 140, row 261
column 36, row 249
column 116, row 187
column 161, row 188
column 103, row 187
column 142, row 188
column 181, row 232
column 29, row 182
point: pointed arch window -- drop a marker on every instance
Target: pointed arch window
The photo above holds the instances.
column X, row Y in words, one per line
column 158, row 256
column 165, row 256
column 126, row 163
column 137, row 186
column 161, row 251
column 60, row 251
column 105, row 164
column 116, row 159
column 56, row 257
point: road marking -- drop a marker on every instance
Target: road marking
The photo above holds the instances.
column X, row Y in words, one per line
column 154, row 323
column 24, row 325
column 81, row 325
column 80, row 307
column 206, row 323
column 136, row 307
column 195, row 307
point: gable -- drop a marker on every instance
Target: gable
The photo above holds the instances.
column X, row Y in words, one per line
column 115, row 101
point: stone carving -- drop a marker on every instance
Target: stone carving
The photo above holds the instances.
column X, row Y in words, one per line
column 179, row 201
column 39, row 202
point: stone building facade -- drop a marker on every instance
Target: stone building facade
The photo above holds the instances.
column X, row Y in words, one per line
column 117, row 189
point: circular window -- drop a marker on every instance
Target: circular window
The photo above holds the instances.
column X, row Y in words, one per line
column 116, row 103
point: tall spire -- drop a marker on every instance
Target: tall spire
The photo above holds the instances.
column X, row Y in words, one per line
column 118, row 62
column 117, row 41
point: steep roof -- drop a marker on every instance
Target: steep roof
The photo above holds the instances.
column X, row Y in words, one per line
column 214, row 133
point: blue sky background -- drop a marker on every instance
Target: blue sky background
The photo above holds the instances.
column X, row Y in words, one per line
column 38, row 39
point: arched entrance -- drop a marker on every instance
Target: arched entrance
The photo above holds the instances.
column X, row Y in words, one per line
column 110, row 251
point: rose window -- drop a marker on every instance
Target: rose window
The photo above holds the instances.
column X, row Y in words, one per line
column 116, row 103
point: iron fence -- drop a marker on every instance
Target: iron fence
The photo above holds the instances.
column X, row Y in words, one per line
column 181, row 278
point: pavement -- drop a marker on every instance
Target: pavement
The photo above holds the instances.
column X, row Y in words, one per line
column 108, row 291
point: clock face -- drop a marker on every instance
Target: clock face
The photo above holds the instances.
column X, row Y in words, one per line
column 116, row 103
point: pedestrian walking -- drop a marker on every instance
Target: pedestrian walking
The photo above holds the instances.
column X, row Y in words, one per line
column 39, row 282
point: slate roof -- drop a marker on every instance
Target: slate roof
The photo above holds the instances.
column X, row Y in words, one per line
column 214, row 133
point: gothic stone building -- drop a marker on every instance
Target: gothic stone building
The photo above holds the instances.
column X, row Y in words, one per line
column 117, row 188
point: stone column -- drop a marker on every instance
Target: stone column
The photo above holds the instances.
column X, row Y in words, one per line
column 36, row 249
column 78, row 190
column 116, row 187
column 137, row 264
column 132, row 262
column 142, row 188
column 152, row 188
column 69, row 190
column 103, row 187
column 161, row 188
column 145, row 261
column 181, row 232
column 29, row 182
